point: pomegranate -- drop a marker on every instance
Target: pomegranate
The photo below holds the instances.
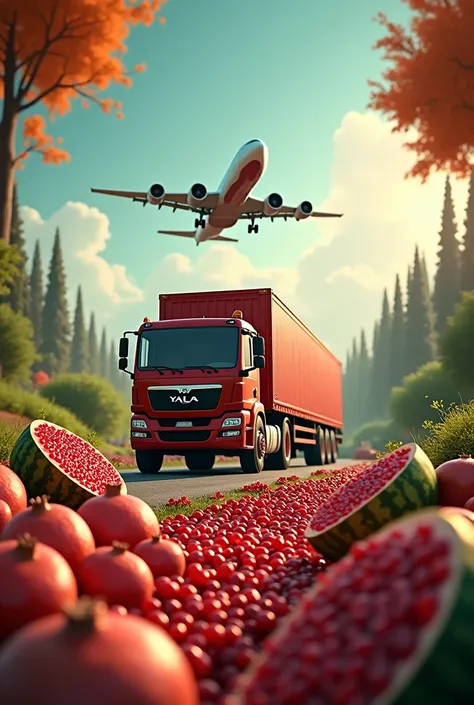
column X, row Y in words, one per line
column 164, row 557
column 470, row 504
column 35, row 581
column 96, row 657
column 117, row 575
column 12, row 490
column 5, row 514
column 372, row 499
column 56, row 526
column 410, row 599
column 456, row 481
column 118, row 517
column 52, row 460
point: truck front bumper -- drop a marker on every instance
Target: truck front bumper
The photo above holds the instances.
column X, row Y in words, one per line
column 230, row 432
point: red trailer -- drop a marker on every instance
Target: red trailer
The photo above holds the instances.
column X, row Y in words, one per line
column 232, row 373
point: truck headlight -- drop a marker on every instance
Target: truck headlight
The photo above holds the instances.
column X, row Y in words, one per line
column 232, row 422
column 138, row 423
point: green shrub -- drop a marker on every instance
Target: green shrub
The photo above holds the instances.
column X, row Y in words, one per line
column 91, row 398
column 378, row 433
column 17, row 350
column 451, row 435
column 32, row 406
column 410, row 404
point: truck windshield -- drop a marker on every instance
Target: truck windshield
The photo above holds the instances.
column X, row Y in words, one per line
column 180, row 348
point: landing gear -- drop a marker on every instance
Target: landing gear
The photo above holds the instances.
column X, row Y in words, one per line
column 199, row 222
column 252, row 229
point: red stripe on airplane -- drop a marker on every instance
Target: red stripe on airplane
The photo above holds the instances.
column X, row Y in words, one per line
column 249, row 174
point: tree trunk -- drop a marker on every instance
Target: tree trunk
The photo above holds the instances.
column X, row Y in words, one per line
column 7, row 172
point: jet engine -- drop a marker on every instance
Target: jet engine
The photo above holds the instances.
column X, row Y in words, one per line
column 304, row 210
column 272, row 204
column 197, row 194
column 156, row 195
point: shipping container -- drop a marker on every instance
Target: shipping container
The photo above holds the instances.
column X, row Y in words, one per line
column 301, row 377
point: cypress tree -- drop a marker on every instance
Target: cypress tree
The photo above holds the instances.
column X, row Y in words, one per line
column 36, row 295
column 79, row 346
column 467, row 253
column 363, row 377
column 18, row 296
column 113, row 365
column 381, row 380
column 104, row 356
column 56, row 330
column 93, row 348
column 446, row 281
column 397, row 337
column 374, row 368
column 420, row 342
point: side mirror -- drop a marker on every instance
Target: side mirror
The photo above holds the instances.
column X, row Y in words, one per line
column 123, row 348
column 259, row 362
column 259, row 346
column 123, row 362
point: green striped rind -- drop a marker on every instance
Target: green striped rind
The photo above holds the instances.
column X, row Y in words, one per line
column 414, row 488
column 447, row 676
column 40, row 476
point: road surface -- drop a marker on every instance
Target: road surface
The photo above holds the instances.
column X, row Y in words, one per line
column 176, row 482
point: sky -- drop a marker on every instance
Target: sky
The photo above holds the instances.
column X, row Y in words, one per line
column 221, row 73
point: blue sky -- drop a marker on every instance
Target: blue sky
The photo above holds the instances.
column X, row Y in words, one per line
column 219, row 73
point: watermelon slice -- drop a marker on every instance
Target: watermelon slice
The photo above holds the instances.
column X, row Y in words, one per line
column 53, row 461
column 390, row 624
column 399, row 483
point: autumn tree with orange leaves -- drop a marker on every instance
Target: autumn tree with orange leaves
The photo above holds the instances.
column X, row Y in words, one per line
column 52, row 52
column 429, row 84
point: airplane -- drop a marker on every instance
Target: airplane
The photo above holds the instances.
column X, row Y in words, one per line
column 229, row 204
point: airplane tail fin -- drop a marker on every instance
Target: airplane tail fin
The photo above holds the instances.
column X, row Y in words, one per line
column 179, row 233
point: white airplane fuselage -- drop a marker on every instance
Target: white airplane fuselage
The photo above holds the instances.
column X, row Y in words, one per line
column 242, row 176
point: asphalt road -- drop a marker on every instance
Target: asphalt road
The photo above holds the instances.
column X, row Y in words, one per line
column 175, row 482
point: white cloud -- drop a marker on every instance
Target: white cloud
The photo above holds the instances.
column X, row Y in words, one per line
column 337, row 285
column 84, row 235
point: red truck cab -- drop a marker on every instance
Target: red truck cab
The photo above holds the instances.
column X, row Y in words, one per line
column 199, row 386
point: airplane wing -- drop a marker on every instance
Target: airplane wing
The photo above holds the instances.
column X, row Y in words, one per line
column 176, row 201
column 253, row 208
column 192, row 233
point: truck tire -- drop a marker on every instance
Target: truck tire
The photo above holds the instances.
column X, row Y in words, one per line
column 327, row 444
column 282, row 458
column 200, row 461
column 316, row 455
column 252, row 461
column 149, row 462
column 334, row 448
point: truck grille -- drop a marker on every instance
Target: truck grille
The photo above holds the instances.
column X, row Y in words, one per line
column 172, row 423
column 183, row 436
column 197, row 398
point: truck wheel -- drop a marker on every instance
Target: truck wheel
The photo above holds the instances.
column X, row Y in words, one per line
column 253, row 460
column 149, row 462
column 200, row 461
column 334, row 448
column 282, row 458
column 316, row 455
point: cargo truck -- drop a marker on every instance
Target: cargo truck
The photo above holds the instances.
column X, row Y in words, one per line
column 231, row 373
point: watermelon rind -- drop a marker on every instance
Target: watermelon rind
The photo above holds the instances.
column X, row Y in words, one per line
column 440, row 670
column 414, row 487
column 42, row 475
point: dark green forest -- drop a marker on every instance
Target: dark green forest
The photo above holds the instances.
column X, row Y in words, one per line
column 38, row 332
column 415, row 355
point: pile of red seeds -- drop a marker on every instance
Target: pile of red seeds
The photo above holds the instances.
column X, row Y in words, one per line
column 359, row 489
column 248, row 563
column 77, row 458
column 345, row 644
